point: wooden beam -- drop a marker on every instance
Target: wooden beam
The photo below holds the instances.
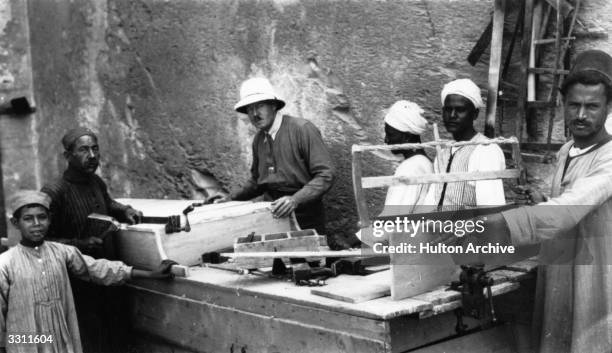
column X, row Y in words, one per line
column 524, row 65
column 565, row 6
column 434, row 144
column 495, row 65
column 300, row 254
column 535, row 39
column 362, row 206
column 481, row 45
column 356, row 289
column 382, row 181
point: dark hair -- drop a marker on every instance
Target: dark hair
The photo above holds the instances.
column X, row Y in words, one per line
column 588, row 77
column 71, row 147
column 17, row 213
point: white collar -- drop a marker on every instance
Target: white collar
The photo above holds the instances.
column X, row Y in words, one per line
column 575, row 151
column 275, row 126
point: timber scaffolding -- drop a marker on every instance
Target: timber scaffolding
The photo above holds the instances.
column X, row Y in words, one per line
column 526, row 45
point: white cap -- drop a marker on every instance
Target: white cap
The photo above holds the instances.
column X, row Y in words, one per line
column 465, row 88
column 406, row 116
column 255, row 90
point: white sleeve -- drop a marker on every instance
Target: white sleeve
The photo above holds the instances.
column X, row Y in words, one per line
column 409, row 195
column 488, row 158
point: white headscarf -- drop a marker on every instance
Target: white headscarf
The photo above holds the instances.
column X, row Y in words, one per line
column 406, row 116
column 465, row 88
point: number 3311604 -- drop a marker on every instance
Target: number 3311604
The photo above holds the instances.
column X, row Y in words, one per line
column 28, row 339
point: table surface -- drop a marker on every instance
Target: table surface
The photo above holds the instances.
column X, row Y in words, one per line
column 433, row 302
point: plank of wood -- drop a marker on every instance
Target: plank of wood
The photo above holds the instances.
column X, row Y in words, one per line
column 300, row 254
column 362, row 206
column 204, row 326
column 179, row 270
column 356, row 289
column 434, row 144
column 303, row 243
column 212, row 229
column 497, row 38
column 535, row 39
column 384, row 181
column 481, row 45
column 529, row 265
column 496, row 290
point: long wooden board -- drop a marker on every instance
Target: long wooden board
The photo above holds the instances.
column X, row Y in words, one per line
column 213, row 228
column 414, row 274
column 356, row 289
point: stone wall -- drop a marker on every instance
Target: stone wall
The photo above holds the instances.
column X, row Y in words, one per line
column 158, row 80
column 18, row 133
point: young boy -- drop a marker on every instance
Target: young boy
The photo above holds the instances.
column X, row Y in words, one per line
column 36, row 303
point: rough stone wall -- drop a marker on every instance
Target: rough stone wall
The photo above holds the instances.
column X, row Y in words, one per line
column 158, row 80
column 18, row 134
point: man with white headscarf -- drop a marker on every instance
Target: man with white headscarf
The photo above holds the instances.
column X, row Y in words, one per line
column 462, row 103
column 404, row 123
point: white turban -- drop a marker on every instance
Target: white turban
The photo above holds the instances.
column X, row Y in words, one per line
column 406, row 116
column 465, row 88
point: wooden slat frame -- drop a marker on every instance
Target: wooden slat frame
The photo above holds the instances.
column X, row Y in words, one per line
column 382, row 181
column 360, row 183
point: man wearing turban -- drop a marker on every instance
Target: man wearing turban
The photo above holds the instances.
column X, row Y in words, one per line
column 404, row 123
column 461, row 104
column 74, row 196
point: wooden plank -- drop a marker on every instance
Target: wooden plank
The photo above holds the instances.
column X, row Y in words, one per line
column 414, row 274
column 179, row 271
column 356, row 289
column 497, row 38
column 440, row 295
column 434, row 144
column 523, row 69
column 536, row 26
column 220, row 286
column 362, row 206
column 481, row 45
column 384, row 181
column 205, row 327
column 496, row 290
column 212, row 229
column 292, row 254
column 529, row 265
column 301, row 243
column 565, row 6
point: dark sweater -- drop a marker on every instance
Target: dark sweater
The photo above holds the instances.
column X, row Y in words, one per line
column 303, row 166
column 73, row 197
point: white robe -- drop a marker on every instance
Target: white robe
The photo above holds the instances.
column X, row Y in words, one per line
column 471, row 158
column 574, row 295
column 409, row 195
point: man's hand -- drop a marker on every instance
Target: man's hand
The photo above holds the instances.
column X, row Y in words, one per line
column 162, row 272
column 284, row 206
column 532, row 194
column 132, row 216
